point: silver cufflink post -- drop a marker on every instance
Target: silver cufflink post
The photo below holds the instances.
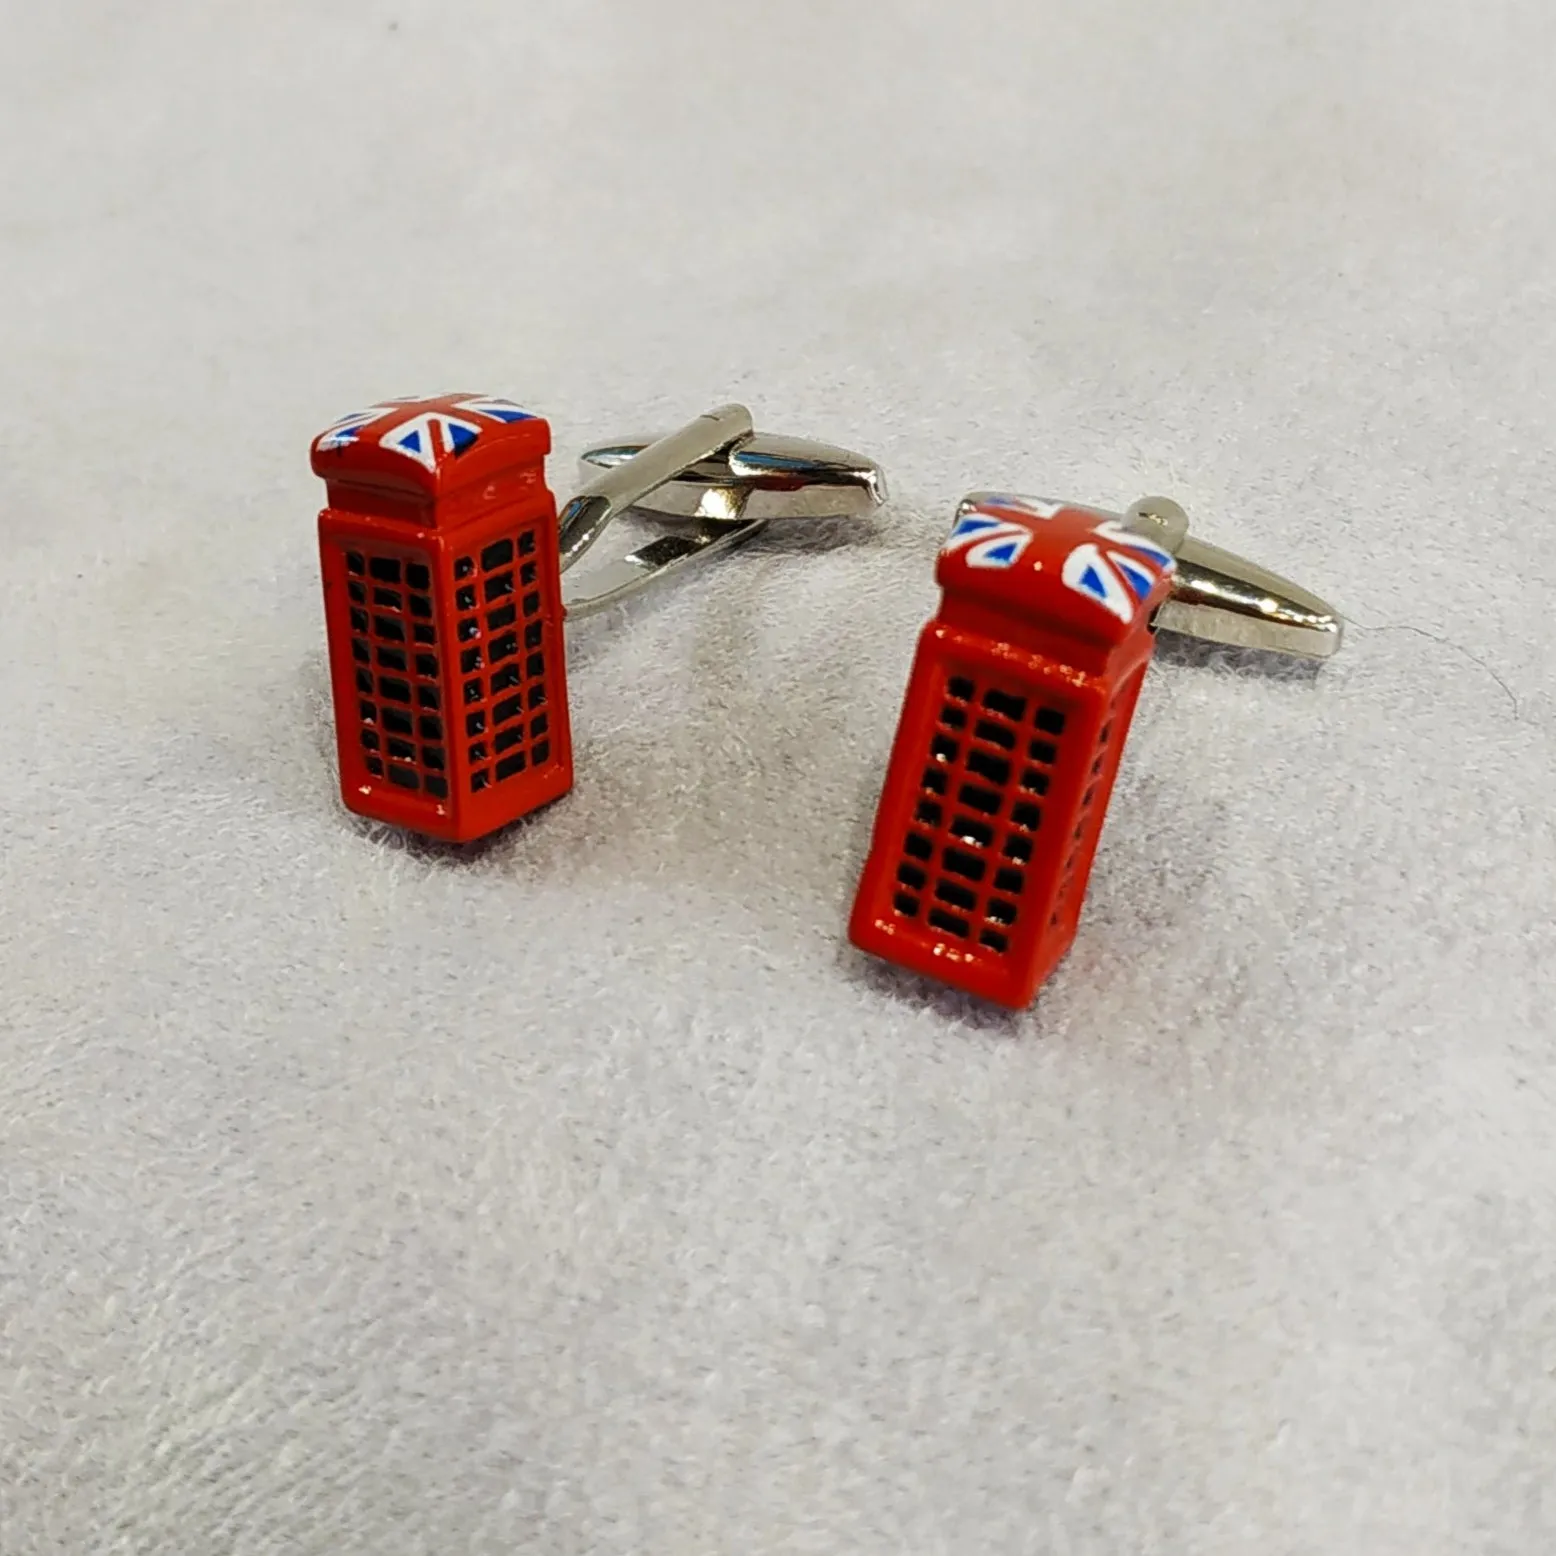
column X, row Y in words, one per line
column 714, row 484
column 1224, row 598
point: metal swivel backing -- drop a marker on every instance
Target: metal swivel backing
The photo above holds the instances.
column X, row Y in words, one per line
column 713, row 484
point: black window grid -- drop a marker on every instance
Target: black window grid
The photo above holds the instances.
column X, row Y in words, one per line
column 503, row 667
column 964, row 863
column 1088, row 819
column 396, row 671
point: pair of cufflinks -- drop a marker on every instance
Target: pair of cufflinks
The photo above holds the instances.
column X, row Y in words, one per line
column 443, row 556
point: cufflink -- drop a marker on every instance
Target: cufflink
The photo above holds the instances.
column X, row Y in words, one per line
column 1018, row 706
column 446, row 569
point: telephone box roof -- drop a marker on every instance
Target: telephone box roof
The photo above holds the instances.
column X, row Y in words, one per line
column 424, row 449
column 1071, row 567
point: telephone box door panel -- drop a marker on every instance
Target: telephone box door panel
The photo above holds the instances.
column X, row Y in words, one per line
column 973, row 831
column 387, row 675
column 508, row 690
column 1086, row 833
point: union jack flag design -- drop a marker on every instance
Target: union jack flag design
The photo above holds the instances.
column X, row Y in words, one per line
column 498, row 410
column 423, row 438
column 1116, row 579
column 992, row 531
column 990, row 542
column 1027, row 507
column 339, row 434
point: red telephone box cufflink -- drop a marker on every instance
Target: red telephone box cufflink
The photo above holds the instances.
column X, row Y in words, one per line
column 1017, row 709
column 442, row 555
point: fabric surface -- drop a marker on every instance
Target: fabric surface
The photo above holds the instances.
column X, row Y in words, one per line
column 582, row 1192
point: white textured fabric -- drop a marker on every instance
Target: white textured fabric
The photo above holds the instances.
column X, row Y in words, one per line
column 585, row 1194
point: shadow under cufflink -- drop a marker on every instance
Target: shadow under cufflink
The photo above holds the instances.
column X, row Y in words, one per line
column 910, row 988
column 1179, row 648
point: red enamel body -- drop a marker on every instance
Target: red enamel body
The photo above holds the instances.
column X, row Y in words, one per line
column 1017, row 708
column 443, row 607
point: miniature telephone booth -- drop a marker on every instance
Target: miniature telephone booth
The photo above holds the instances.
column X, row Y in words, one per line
column 1019, row 700
column 443, row 606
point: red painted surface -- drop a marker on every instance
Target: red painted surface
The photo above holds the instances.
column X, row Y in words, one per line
column 443, row 608
column 1017, row 709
